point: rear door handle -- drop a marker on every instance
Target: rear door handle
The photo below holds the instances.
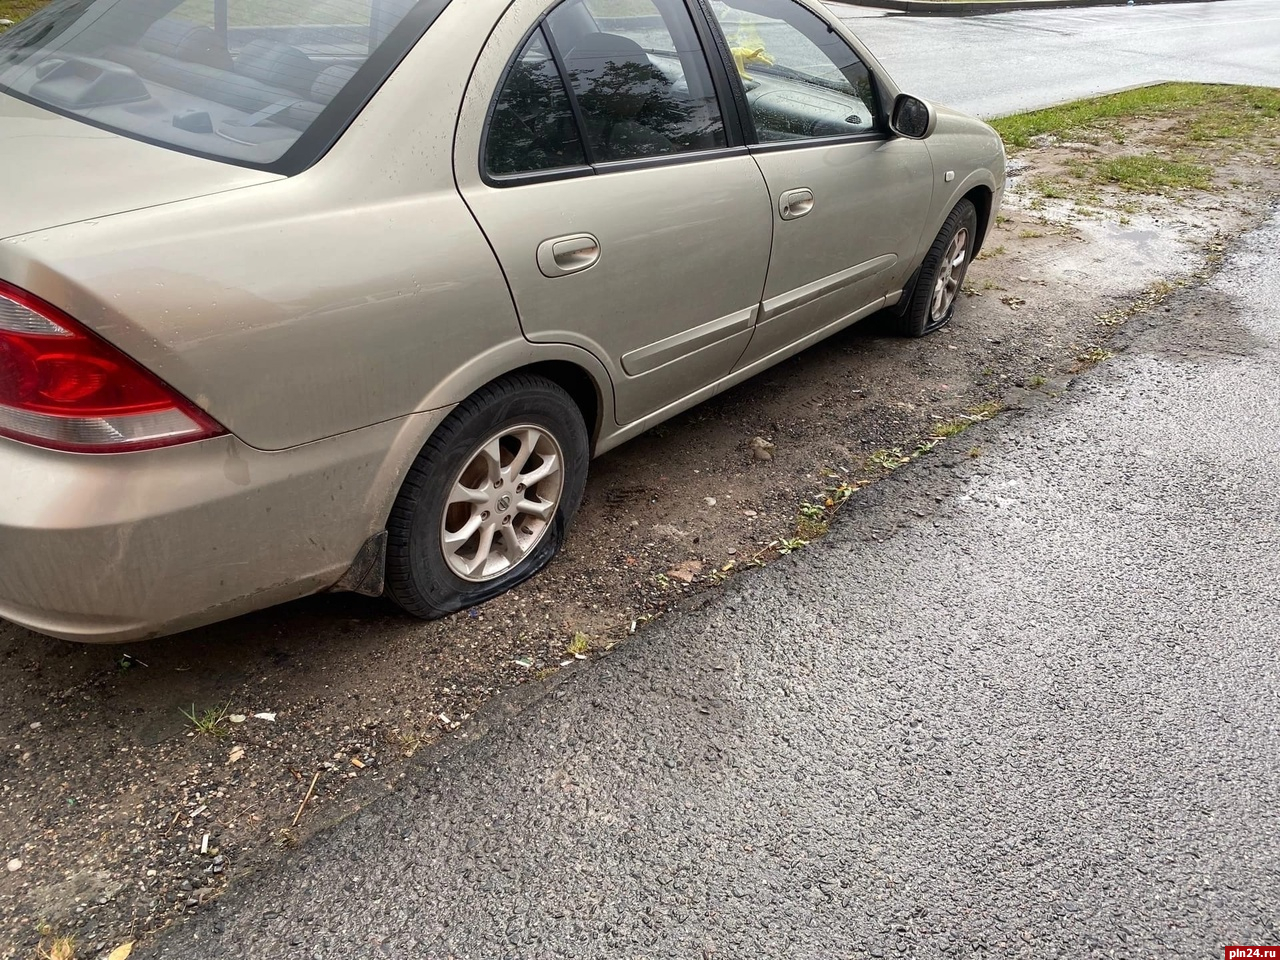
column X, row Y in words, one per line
column 795, row 204
column 561, row 256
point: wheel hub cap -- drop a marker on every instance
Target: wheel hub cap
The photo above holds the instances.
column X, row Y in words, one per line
column 502, row 503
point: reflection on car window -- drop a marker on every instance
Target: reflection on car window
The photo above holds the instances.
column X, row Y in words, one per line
column 533, row 127
column 802, row 80
column 640, row 77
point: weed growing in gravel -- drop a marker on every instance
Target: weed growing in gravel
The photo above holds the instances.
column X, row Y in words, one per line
column 211, row 722
column 949, row 428
column 811, row 511
column 580, row 645
column 812, row 522
column 1036, row 382
column 1092, row 356
column 889, row 459
column 53, row 946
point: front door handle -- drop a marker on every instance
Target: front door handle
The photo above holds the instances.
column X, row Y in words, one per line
column 561, row 256
column 795, row 204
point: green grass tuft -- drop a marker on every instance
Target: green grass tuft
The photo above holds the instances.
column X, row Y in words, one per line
column 1149, row 173
column 1223, row 112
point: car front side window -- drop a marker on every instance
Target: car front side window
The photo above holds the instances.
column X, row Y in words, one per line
column 802, row 80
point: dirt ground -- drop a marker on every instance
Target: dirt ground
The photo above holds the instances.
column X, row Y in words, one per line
column 117, row 817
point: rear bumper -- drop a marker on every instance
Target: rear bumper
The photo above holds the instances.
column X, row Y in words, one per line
column 138, row 545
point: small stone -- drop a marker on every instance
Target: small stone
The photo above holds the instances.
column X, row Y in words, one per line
column 15, row 865
column 761, row 448
column 36, row 725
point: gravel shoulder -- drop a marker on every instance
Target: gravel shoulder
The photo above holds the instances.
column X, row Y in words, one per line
column 122, row 818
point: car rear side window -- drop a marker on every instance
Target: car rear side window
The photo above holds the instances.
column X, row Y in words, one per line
column 640, row 77
column 533, row 128
column 239, row 80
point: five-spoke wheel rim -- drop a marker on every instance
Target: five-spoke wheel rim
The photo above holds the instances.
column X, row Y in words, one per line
column 951, row 273
column 502, row 503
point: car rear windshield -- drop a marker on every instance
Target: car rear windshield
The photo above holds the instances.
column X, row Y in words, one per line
column 262, row 83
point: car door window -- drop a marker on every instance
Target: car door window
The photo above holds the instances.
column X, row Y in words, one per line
column 640, row 77
column 533, row 128
column 801, row 79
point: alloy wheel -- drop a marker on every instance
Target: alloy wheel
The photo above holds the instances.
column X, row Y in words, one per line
column 502, row 503
column 951, row 273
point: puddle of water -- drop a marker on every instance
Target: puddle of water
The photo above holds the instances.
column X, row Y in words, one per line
column 1135, row 255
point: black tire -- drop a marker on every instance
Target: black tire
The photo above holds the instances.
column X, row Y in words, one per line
column 419, row 578
column 918, row 319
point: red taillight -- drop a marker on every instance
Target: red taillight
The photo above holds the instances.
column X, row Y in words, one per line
column 62, row 387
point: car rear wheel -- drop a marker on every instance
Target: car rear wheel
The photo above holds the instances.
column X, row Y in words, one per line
column 488, row 501
column 933, row 302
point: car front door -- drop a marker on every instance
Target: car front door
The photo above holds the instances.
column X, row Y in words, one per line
column 628, row 216
column 849, row 201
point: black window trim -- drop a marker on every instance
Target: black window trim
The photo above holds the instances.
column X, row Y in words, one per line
column 334, row 120
column 726, row 72
column 736, row 138
column 575, row 108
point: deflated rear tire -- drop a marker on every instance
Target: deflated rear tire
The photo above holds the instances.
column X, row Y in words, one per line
column 933, row 302
column 488, row 501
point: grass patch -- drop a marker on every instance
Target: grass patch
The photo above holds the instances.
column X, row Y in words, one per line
column 1051, row 189
column 1149, row 173
column 1222, row 112
column 16, row 10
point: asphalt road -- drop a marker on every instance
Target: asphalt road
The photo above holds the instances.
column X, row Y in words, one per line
column 1022, row 704
column 1003, row 63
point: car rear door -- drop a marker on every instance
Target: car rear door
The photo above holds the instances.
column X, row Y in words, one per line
column 848, row 200
column 625, row 209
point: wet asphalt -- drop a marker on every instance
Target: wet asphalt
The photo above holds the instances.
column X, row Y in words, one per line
column 1020, row 704
column 1022, row 60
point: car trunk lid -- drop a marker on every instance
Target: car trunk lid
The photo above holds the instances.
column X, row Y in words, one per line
column 58, row 170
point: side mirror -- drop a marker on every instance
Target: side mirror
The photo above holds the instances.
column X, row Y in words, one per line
column 912, row 117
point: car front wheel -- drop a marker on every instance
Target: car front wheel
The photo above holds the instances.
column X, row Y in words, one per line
column 933, row 302
column 488, row 501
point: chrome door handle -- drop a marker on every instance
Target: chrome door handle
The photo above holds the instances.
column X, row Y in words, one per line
column 795, row 204
column 561, row 256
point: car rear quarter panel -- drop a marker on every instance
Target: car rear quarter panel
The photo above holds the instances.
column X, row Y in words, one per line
column 356, row 292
